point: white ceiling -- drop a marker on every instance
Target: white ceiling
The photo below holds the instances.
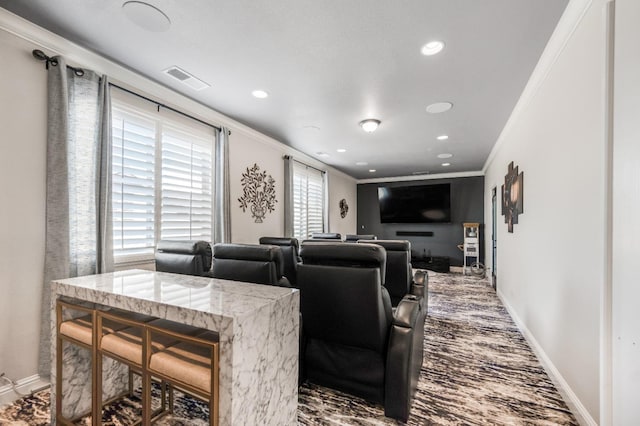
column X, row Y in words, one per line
column 329, row 64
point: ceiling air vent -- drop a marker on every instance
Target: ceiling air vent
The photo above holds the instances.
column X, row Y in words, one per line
column 186, row 78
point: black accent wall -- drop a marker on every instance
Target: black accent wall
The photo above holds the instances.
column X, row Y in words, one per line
column 467, row 205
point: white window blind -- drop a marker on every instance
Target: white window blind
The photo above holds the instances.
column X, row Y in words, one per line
column 308, row 201
column 162, row 179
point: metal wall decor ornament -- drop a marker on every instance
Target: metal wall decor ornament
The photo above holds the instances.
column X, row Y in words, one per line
column 344, row 208
column 512, row 204
column 258, row 193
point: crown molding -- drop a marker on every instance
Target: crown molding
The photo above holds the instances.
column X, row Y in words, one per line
column 421, row 177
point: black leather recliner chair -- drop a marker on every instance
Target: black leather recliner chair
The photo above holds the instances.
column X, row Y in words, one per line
column 351, row 238
column 354, row 342
column 260, row 264
column 183, row 257
column 290, row 254
column 400, row 279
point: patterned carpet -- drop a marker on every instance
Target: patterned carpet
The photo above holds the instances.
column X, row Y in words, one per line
column 478, row 370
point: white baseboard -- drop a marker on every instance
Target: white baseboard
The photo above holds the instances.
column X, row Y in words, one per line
column 24, row 386
column 570, row 398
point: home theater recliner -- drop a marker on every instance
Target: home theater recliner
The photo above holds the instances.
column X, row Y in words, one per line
column 183, row 257
column 354, row 340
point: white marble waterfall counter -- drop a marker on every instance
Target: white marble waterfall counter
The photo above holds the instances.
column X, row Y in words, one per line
column 258, row 327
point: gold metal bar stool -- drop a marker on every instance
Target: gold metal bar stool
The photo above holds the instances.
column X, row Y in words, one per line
column 128, row 346
column 191, row 365
column 80, row 331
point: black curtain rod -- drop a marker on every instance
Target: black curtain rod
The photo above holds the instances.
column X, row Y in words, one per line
column 288, row 157
column 41, row 56
column 161, row 105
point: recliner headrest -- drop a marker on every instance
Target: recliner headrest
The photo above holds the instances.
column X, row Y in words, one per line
column 202, row 248
column 280, row 241
column 354, row 238
column 390, row 245
column 344, row 254
column 250, row 252
column 326, row 235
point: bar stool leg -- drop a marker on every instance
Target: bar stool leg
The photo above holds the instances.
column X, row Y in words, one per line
column 96, row 372
column 58, row 363
column 146, row 378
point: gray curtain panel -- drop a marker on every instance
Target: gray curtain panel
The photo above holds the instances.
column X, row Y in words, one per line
column 288, row 196
column 78, row 211
column 222, row 192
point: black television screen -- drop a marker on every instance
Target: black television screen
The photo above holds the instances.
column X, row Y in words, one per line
column 415, row 204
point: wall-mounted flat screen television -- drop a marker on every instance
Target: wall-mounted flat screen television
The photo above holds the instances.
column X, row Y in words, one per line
column 415, row 204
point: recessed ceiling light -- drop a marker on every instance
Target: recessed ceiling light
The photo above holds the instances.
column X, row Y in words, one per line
column 442, row 137
column 445, row 155
column 146, row 16
column 439, row 107
column 341, row 150
column 369, row 125
column 362, row 163
column 260, row 94
column 432, row 48
column 446, row 164
column 372, row 170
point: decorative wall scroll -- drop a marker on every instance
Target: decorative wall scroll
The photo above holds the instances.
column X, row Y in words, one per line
column 344, row 208
column 258, row 193
column 512, row 204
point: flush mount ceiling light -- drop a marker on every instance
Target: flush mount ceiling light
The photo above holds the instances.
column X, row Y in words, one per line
column 446, row 164
column 260, row 94
column 432, row 48
column 442, row 137
column 439, row 107
column 362, row 163
column 146, row 16
column 322, row 154
column 341, row 150
column 445, row 155
column 372, row 170
column 369, row 125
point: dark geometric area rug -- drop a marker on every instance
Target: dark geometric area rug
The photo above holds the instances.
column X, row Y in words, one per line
column 478, row 370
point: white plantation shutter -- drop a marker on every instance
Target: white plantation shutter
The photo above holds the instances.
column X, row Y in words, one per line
column 134, row 144
column 187, row 186
column 308, row 201
column 162, row 179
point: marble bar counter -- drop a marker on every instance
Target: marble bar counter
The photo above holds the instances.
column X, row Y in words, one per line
column 258, row 327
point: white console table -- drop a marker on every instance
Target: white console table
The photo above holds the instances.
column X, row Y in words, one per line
column 258, row 327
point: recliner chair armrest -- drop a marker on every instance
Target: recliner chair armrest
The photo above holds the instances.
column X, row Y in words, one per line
column 404, row 357
column 421, row 277
column 420, row 287
column 284, row 282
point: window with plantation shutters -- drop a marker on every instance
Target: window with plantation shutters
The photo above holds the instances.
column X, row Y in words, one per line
column 187, row 192
column 134, row 184
column 308, row 201
column 162, row 179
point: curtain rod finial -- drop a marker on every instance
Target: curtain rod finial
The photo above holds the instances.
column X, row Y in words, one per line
column 39, row 55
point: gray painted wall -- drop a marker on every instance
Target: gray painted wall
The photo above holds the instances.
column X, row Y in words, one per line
column 466, row 206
